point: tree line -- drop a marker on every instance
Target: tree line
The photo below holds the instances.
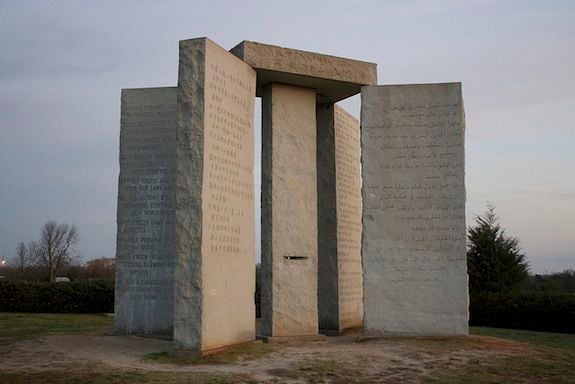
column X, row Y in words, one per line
column 496, row 263
column 55, row 254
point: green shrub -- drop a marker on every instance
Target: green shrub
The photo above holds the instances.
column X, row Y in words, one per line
column 73, row 297
column 550, row 312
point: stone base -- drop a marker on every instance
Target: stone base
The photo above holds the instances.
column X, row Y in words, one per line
column 290, row 339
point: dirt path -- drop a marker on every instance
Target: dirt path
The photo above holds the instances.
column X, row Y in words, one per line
column 378, row 359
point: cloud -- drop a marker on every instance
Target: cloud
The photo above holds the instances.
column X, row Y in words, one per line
column 63, row 64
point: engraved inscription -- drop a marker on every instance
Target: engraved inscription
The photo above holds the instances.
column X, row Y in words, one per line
column 419, row 196
column 145, row 242
column 348, row 197
column 229, row 160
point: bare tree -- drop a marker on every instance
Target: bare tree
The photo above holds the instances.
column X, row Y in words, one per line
column 56, row 248
column 25, row 256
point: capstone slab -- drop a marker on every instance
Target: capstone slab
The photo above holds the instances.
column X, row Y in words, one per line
column 414, row 234
column 334, row 78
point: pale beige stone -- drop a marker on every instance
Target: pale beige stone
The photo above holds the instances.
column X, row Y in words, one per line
column 144, row 291
column 414, row 251
column 349, row 215
column 289, row 212
column 340, row 283
column 215, row 270
column 333, row 78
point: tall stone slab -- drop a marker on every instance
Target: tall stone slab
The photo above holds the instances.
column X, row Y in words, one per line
column 340, row 280
column 145, row 239
column 215, row 263
column 414, row 252
column 289, row 212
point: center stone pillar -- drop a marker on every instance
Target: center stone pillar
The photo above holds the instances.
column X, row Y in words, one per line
column 289, row 212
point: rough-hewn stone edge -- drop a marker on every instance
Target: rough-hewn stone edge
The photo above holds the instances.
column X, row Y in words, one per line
column 266, row 214
column 328, row 271
column 305, row 63
column 118, row 329
column 189, row 180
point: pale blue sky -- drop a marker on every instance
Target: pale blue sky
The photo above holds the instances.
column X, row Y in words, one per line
column 63, row 63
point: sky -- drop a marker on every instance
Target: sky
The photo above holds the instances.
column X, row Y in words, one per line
column 63, row 64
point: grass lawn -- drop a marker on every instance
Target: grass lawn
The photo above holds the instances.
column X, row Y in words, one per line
column 541, row 358
column 542, row 339
column 92, row 375
column 552, row 360
column 20, row 326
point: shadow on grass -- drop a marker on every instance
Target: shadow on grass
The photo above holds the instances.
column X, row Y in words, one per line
column 243, row 352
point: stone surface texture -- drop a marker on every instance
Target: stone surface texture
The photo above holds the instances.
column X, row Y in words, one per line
column 215, row 270
column 349, row 219
column 414, row 250
column 340, row 282
column 145, row 238
column 333, row 78
column 289, row 212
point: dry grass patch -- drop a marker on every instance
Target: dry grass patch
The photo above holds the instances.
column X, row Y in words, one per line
column 235, row 354
column 320, row 371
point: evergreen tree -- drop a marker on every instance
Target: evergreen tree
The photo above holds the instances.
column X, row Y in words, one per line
column 494, row 259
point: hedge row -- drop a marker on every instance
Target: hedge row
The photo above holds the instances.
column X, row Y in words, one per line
column 73, row 297
column 550, row 312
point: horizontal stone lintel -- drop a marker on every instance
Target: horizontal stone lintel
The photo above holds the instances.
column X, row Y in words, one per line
column 333, row 78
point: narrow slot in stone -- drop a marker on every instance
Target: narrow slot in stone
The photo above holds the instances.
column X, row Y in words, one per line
column 295, row 257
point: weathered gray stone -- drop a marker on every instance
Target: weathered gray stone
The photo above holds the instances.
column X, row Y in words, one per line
column 414, row 255
column 333, row 78
column 340, row 282
column 145, row 241
column 215, row 265
column 289, row 212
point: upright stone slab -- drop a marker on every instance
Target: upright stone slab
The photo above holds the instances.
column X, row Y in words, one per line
column 145, row 238
column 414, row 255
column 340, row 280
column 289, row 212
column 215, row 263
